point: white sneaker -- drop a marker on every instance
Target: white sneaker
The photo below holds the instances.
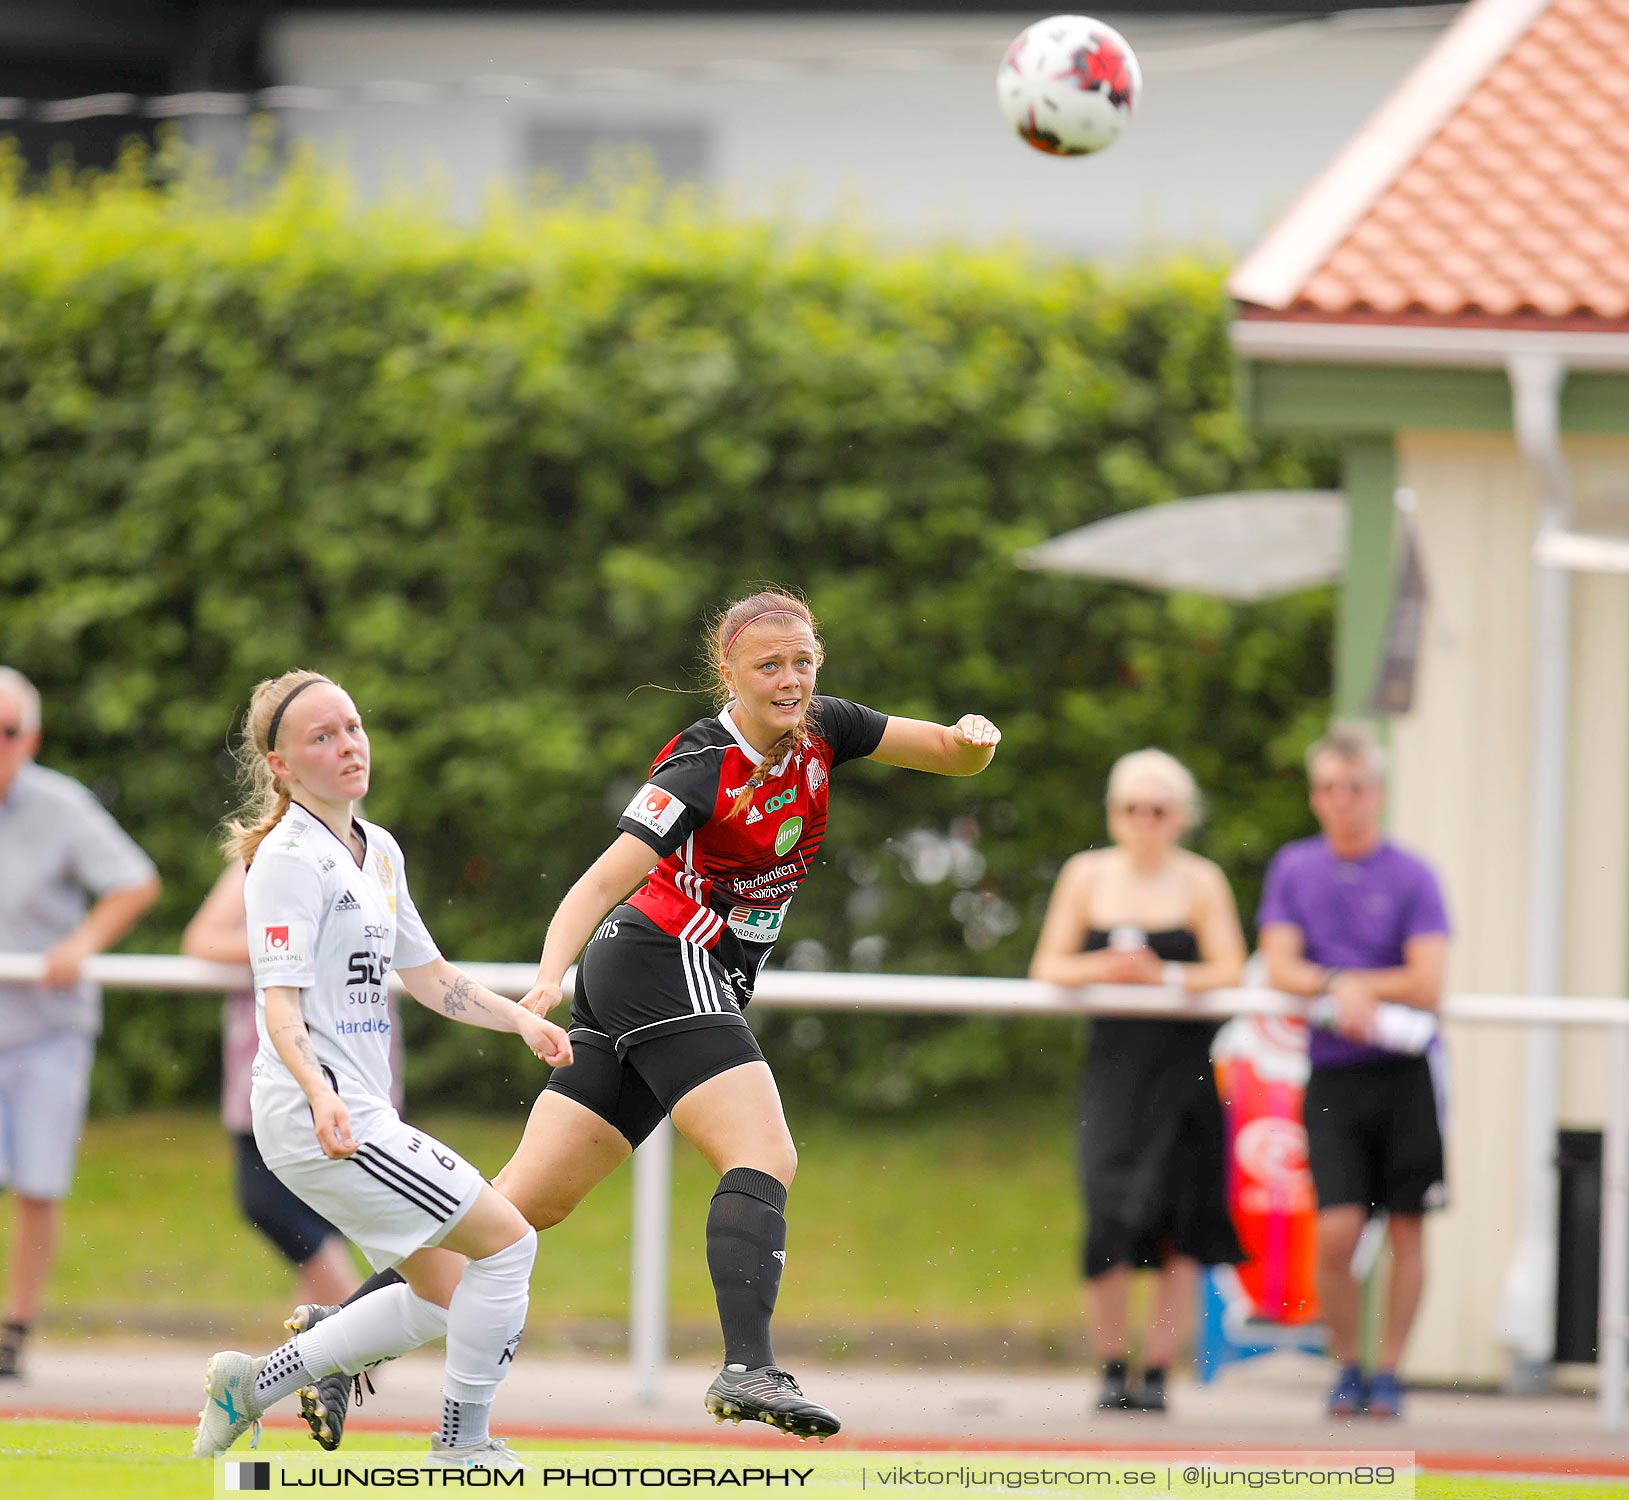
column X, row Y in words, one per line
column 492, row 1453
column 230, row 1409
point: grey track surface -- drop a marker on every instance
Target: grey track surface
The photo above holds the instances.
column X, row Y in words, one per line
column 1274, row 1402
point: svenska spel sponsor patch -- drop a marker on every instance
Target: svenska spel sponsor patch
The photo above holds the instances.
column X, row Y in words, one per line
column 655, row 808
column 285, row 945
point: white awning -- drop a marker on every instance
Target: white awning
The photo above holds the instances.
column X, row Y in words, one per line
column 1244, row 547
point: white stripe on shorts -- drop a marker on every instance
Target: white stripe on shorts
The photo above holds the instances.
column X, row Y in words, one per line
column 695, row 983
column 689, row 977
column 622, row 1041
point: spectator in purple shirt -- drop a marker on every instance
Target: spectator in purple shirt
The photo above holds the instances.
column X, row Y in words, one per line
column 1351, row 916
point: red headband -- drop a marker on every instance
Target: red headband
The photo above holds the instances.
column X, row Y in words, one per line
column 729, row 645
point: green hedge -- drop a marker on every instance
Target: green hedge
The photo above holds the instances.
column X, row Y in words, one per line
column 491, row 479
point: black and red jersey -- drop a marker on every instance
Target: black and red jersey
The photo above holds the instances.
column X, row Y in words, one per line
column 724, row 882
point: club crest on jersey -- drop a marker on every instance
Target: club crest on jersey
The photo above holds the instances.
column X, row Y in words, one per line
column 817, row 774
column 387, row 878
column 654, row 808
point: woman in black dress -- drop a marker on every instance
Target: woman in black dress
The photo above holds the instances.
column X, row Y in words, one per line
column 1146, row 911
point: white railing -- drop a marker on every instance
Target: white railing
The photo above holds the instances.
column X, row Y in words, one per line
column 952, row 995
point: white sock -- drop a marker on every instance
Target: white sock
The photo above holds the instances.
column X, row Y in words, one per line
column 464, row 1423
column 485, row 1321
column 381, row 1325
column 284, row 1373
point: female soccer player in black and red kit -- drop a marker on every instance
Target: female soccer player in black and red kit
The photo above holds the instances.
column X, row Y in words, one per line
column 733, row 814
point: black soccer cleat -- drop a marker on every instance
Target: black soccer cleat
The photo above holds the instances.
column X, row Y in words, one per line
column 768, row 1394
column 326, row 1402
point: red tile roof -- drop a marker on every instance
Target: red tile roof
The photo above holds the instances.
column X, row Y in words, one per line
column 1512, row 212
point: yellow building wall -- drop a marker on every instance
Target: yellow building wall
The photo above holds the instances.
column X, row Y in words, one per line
column 1597, row 952
column 1460, row 795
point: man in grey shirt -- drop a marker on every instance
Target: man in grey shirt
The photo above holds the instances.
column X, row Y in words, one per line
column 72, row 883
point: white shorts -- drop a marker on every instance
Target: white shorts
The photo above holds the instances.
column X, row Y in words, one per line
column 402, row 1191
column 44, row 1087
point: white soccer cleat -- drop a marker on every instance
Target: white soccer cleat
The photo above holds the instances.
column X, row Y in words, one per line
column 492, row 1453
column 230, row 1409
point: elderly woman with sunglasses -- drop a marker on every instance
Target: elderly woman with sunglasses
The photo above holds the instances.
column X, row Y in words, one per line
column 1146, row 911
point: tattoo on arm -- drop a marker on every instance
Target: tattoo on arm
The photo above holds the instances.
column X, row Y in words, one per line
column 460, row 996
column 302, row 1043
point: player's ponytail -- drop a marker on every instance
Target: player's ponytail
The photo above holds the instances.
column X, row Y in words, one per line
column 722, row 636
column 265, row 797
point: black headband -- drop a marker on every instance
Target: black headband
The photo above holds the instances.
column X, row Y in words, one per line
column 277, row 718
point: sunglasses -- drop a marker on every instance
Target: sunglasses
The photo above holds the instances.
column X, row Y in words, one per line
column 1156, row 810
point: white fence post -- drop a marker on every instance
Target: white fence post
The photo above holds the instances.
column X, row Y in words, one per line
column 647, row 1310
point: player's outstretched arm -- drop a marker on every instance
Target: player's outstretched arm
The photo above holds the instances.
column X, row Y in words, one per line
column 961, row 749
column 443, row 987
column 285, row 1025
column 604, row 883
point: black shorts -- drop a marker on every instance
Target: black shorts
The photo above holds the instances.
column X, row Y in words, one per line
column 1374, row 1138
column 652, row 1017
column 297, row 1229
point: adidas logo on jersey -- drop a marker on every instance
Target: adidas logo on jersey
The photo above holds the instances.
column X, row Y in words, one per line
column 347, row 902
column 754, row 817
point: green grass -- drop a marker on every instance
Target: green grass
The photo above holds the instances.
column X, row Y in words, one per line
column 107, row 1461
column 922, row 1231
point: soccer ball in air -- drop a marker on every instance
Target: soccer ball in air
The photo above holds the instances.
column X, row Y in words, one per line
column 1068, row 85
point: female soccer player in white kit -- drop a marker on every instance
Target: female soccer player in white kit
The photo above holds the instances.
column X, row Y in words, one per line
column 329, row 916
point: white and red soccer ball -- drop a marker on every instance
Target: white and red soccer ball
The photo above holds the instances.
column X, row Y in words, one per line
column 1068, row 85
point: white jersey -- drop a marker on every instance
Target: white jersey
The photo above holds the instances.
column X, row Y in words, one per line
column 333, row 929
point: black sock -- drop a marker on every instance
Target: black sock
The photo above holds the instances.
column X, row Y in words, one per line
column 375, row 1283
column 1114, row 1369
column 746, row 1247
column 1154, row 1377
column 13, row 1334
